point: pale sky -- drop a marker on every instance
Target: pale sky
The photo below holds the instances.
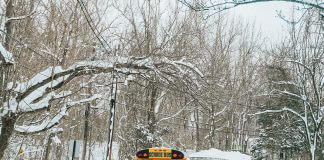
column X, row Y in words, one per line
column 265, row 17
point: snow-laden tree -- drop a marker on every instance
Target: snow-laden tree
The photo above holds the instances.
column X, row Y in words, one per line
column 281, row 138
column 292, row 116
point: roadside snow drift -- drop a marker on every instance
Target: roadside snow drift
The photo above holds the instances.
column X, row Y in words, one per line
column 215, row 154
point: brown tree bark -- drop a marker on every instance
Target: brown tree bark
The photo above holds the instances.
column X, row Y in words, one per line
column 151, row 114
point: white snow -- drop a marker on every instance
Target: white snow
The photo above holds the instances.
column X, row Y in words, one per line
column 85, row 100
column 159, row 101
column 26, row 103
column 145, row 62
column 46, row 123
column 100, row 63
column 322, row 111
column 49, row 122
column 181, row 62
column 56, row 140
column 128, row 78
column 21, row 87
column 215, row 154
column 6, row 54
column 99, row 151
column 55, row 130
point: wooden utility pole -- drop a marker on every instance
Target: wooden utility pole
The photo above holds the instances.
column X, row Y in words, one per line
column 112, row 117
column 86, row 126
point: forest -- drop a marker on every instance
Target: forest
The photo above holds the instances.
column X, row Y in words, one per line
column 182, row 74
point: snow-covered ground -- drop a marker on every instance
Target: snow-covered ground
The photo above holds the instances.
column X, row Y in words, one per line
column 31, row 152
column 99, row 152
column 215, row 154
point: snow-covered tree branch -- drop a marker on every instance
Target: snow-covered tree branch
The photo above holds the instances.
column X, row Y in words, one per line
column 38, row 93
column 51, row 122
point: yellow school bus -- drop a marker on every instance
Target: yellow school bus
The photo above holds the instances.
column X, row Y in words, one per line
column 159, row 154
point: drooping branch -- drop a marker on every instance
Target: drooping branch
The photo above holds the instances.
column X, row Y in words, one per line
column 43, row 104
column 49, row 123
column 37, row 93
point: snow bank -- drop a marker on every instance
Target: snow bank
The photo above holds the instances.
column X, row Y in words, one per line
column 216, row 154
column 98, row 151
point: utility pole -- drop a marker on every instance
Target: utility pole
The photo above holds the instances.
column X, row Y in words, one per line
column 86, row 125
column 112, row 117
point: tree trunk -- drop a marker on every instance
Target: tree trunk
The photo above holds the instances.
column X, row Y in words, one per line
column 8, row 25
column 8, row 121
column 212, row 132
column 8, row 126
column 197, row 130
column 151, row 113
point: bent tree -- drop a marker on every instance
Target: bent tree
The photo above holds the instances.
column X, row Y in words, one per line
column 38, row 93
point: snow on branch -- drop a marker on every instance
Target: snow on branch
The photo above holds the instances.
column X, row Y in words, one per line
column 5, row 56
column 285, row 109
column 43, row 103
column 303, row 97
column 37, row 93
column 176, row 114
column 159, row 101
column 181, row 62
column 49, row 123
column 301, row 64
column 284, row 83
column 34, row 95
column 15, row 18
column 20, row 17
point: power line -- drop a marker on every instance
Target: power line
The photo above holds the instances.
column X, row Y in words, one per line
column 113, row 95
column 90, row 22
